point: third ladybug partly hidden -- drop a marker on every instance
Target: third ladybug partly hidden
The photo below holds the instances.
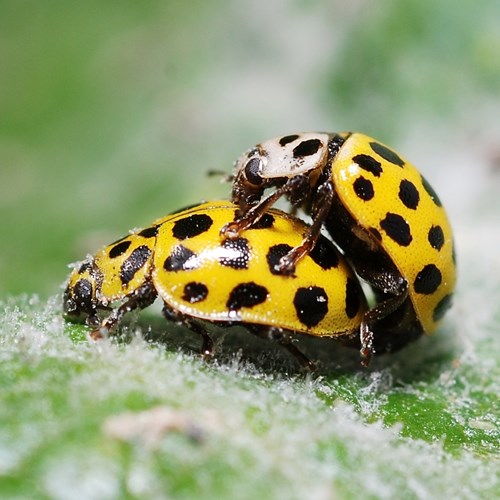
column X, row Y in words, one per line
column 376, row 206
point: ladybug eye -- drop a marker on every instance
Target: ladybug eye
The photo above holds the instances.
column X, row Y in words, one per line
column 252, row 171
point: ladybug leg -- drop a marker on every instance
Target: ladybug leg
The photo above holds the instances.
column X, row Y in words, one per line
column 292, row 185
column 281, row 337
column 289, row 261
column 141, row 298
column 207, row 347
column 367, row 350
column 398, row 288
column 301, row 358
column 392, row 286
column 93, row 319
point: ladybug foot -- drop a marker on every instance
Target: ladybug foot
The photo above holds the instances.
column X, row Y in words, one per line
column 286, row 265
column 289, row 261
column 231, row 230
column 99, row 333
column 366, row 356
column 367, row 351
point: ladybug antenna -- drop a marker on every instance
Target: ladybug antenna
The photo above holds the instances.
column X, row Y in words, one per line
column 224, row 176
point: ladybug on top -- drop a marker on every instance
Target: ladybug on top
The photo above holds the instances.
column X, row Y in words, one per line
column 378, row 209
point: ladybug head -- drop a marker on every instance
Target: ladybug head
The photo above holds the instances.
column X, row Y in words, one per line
column 273, row 162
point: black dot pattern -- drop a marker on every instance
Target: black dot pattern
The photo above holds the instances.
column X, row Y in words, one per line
column 307, row 148
column 387, row 154
column 149, row 232
column 265, row 222
column 443, row 305
column 86, row 266
column 405, row 193
column 408, row 194
column 195, row 292
column 83, row 294
column 288, row 139
column 246, row 295
column 134, row 263
column 191, row 226
column 431, row 192
column 311, row 305
column 397, row 229
column 436, row 237
column 324, row 254
column 352, row 298
column 369, row 164
column 363, row 189
column 239, row 251
column 181, row 259
column 427, row 280
column 274, row 255
column 119, row 249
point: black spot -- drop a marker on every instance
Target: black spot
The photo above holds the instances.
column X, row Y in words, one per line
column 133, row 263
column 408, row 194
column 246, row 295
column 86, row 266
column 181, row 259
column 195, row 292
column 119, row 249
column 82, row 292
column 436, row 237
column 352, row 298
column 386, row 153
column 369, row 164
column 324, row 254
column 311, row 305
column 149, row 232
column 307, row 148
column 239, row 253
column 427, row 280
column 191, row 226
column 431, row 192
column 453, row 254
column 443, row 305
column 252, row 171
column 274, row 255
column 397, row 229
column 287, row 139
column 265, row 222
column 363, row 189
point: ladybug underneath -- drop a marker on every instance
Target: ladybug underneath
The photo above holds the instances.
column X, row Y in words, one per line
column 377, row 208
column 200, row 278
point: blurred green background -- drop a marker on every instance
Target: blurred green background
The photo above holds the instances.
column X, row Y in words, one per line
column 111, row 114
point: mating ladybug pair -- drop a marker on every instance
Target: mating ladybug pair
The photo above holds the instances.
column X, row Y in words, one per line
column 243, row 262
